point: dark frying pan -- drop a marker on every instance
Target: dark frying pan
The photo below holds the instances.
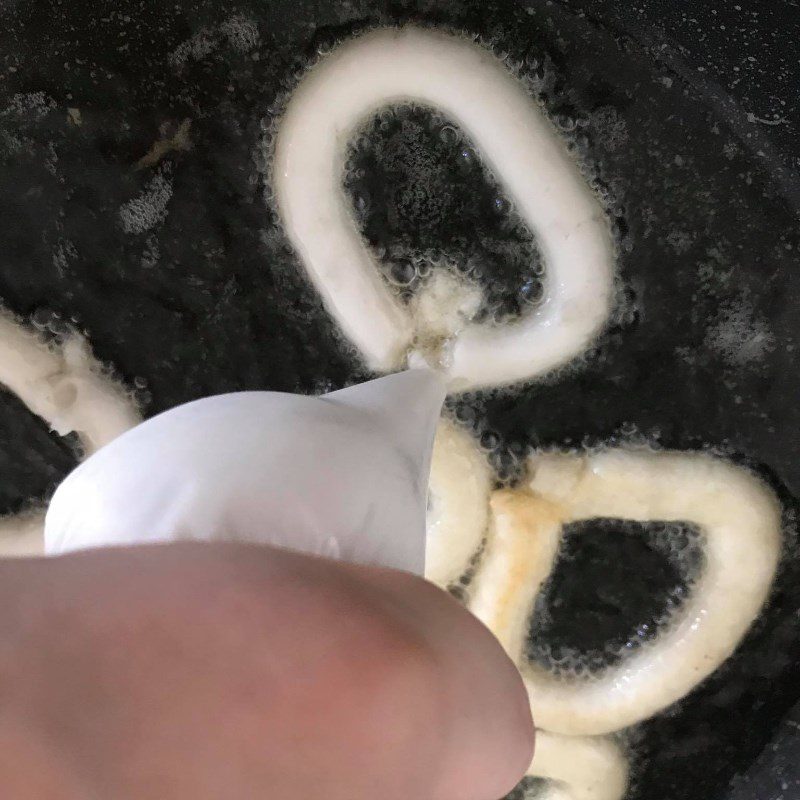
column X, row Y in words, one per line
column 687, row 118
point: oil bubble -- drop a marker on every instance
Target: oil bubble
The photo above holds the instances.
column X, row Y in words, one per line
column 403, row 272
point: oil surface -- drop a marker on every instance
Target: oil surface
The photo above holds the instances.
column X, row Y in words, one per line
column 134, row 153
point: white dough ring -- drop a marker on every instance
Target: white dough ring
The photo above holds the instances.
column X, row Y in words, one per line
column 579, row 767
column 741, row 520
column 459, row 504
column 470, row 84
column 65, row 386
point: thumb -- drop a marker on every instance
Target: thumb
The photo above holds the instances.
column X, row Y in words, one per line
column 486, row 731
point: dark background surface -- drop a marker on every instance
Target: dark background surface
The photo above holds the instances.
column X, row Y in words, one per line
column 686, row 117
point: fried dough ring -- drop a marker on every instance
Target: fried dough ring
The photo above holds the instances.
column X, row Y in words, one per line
column 741, row 520
column 64, row 385
column 580, row 767
column 458, row 506
column 517, row 142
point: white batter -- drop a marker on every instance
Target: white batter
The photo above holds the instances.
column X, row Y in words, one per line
column 519, row 145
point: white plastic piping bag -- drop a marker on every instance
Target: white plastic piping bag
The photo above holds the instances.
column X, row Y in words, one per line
column 343, row 475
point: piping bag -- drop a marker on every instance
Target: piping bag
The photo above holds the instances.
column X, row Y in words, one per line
column 342, row 475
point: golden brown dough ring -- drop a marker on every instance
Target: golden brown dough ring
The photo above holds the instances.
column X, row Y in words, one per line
column 524, row 539
column 459, row 509
column 525, row 532
column 741, row 520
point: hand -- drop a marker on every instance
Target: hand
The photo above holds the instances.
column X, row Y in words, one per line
column 209, row 672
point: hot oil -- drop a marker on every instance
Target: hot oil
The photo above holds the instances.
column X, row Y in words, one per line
column 615, row 587
column 202, row 293
column 424, row 199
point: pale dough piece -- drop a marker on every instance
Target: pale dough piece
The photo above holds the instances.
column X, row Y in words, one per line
column 22, row 535
column 580, row 767
column 65, row 386
column 458, row 504
column 520, row 146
